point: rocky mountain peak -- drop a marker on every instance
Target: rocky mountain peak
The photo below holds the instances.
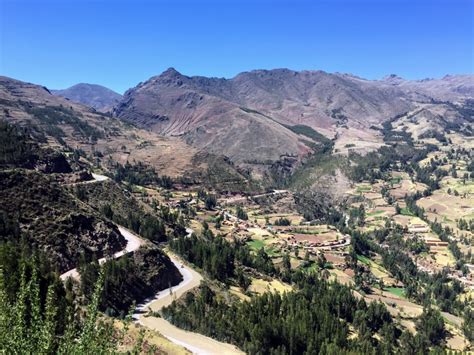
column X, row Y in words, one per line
column 170, row 72
column 393, row 78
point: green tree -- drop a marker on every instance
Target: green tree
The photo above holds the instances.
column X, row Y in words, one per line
column 241, row 214
column 430, row 327
column 468, row 324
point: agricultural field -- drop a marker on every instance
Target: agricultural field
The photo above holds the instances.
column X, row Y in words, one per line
column 261, row 286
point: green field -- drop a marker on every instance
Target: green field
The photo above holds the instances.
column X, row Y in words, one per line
column 406, row 212
column 272, row 252
column 397, row 291
column 256, row 244
column 363, row 259
column 363, row 188
column 396, row 180
column 375, row 213
column 311, row 267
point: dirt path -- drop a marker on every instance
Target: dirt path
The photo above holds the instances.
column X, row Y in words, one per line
column 133, row 243
column 194, row 342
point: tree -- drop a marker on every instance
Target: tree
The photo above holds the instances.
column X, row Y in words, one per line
column 361, row 215
column 241, row 214
column 322, row 261
column 107, row 211
column 28, row 327
column 468, row 324
column 286, row 262
column 398, row 210
column 243, row 281
column 430, row 327
column 210, row 201
column 282, row 222
column 314, row 318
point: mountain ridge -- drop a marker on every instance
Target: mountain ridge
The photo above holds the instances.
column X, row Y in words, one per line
column 207, row 111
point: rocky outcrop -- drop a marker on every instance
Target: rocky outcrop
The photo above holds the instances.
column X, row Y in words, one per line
column 156, row 269
column 135, row 277
column 53, row 162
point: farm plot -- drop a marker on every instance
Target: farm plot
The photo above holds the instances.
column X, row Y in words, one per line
column 261, row 286
column 446, row 208
column 406, row 187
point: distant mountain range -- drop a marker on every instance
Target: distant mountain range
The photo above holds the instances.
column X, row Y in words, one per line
column 96, row 96
column 252, row 116
column 255, row 120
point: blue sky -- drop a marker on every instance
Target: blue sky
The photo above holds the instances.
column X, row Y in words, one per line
column 120, row 43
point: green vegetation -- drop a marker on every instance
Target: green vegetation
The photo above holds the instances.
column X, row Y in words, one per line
column 19, row 151
column 51, row 219
column 310, row 133
column 140, row 174
column 15, row 149
column 397, row 291
column 282, row 221
column 52, row 116
column 129, row 279
column 241, row 214
column 363, row 188
column 220, row 259
column 430, row 327
column 120, row 206
column 406, row 212
column 255, row 244
column 313, row 169
column 468, row 325
column 363, row 259
column 37, row 313
column 395, row 180
column 375, row 213
column 210, row 200
column 221, row 175
column 293, row 323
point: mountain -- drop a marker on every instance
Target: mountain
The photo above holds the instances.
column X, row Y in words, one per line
column 200, row 111
column 96, row 96
column 69, row 126
column 58, row 122
column 251, row 117
column 230, row 131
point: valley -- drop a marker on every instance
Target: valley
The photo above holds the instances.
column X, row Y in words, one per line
column 236, row 177
column 179, row 234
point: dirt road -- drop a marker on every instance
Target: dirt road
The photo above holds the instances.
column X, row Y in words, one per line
column 194, row 342
column 133, row 243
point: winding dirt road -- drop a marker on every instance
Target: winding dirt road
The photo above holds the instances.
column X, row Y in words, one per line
column 194, row 342
column 133, row 243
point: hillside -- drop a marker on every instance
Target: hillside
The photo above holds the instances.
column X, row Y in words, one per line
column 74, row 128
column 252, row 125
column 449, row 88
column 53, row 220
